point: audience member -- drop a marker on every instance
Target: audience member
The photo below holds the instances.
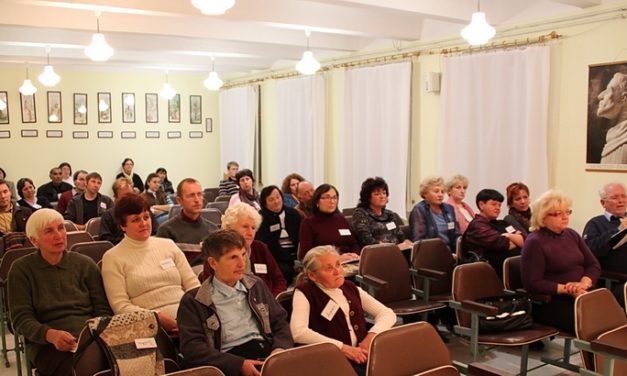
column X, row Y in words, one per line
column 289, row 189
column 144, row 272
column 127, row 172
column 328, row 308
column 80, row 183
column 556, row 261
column 228, row 186
column 304, row 193
column 52, row 293
column 519, row 212
column 90, row 204
column 247, row 193
column 26, row 190
column 432, row 217
column 188, row 226
column 456, row 189
column 166, row 184
column 159, row 202
column 66, row 173
column 10, row 184
column 12, row 217
column 232, row 320
column 279, row 230
column 53, row 189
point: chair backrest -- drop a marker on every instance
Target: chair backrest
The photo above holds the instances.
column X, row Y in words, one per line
column 386, row 262
column 198, row 371
column 309, row 360
column 406, row 231
column 174, row 211
column 512, row 276
column 348, row 211
column 95, row 249
column 92, row 359
column 285, row 300
column 223, row 198
column 393, row 352
column 69, row 225
column 472, row 281
column 220, row 205
column 93, row 227
column 74, row 237
column 9, row 258
column 458, row 248
column 212, row 214
column 210, row 194
column 433, row 254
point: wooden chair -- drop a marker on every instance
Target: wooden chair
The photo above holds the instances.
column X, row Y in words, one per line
column 174, row 211
column 69, row 225
column 348, row 211
column 309, row 360
column 433, row 264
column 212, row 214
column 93, row 227
column 223, row 198
column 210, row 194
column 198, row 371
column 285, row 300
column 74, row 237
column 95, row 250
column 220, row 205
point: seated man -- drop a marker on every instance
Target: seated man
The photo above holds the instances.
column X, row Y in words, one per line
column 189, row 226
column 600, row 229
column 12, row 217
column 304, row 193
column 90, row 204
column 79, row 187
column 51, row 294
column 488, row 237
column 228, row 186
column 218, row 323
column 53, row 189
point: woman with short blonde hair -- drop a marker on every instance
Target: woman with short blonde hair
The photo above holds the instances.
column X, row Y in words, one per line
column 456, row 189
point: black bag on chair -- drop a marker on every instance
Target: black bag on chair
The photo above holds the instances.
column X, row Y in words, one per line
column 514, row 313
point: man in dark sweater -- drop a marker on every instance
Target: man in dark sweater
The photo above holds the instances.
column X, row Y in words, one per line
column 53, row 189
column 90, row 204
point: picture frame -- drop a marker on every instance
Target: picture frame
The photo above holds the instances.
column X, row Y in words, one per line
column 54, row 133
column 153, row 134
column 55, row 113
column 128, row 134
column 80, row 134
column 104, row 107
column 152, row 108
column 174, row 134
column 606, row 149
column 105, row 134
column 29, row 133
column 128, row 107
column 195, row 134
column 195, row 109
column 80, row 108
column 174, row 109
column 29, row 110
column 5, row 134
column 208, row 125
column 4, row 107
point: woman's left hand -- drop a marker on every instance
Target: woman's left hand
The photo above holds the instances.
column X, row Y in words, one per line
column 168, row 322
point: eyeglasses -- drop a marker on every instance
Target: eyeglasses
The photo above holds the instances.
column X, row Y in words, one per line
column 331, row 198
column 560, row 213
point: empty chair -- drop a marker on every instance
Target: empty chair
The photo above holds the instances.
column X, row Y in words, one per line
column 212, row 214
column 93, row 227
column 285, row 300
column 74, row 237
column 512, row 278
column 198, row 371
column 309, row 360
column 348, row 211
column 210, row 194
column 223, row 198
column 434, row 265
column 94, row 249
column 174, row 211
column 69, row 225
column 220, row 205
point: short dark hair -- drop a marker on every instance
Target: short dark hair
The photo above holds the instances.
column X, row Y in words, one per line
column 4, row 174
column 2, row 181
column 93, row 175
column 265, row 192
column 63, row 164
column 513, row 189
column 245, row 172
column 151, row 176
column 367, row 187
column 485, row 195
column 285, row 186
column 130, row 204
column 78, row 172
column 220, row 242
column 126, row 160
column 179, row 187
column 322, row 189
column 21, row 183
column 232, row 163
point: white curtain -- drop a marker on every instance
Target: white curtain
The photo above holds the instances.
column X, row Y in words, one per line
column 239, row 119
column 494, row 115
column 300, row 127
column 374, row 138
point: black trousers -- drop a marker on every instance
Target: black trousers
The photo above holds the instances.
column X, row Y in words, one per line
column 559, row 313
column 254, row 349
column 53, row 362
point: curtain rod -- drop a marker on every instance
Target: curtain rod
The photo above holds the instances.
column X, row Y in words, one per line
column 503, row 44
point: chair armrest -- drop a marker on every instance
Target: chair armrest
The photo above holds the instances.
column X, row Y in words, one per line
column 372, row 281
column 427, row 273
column 609, row 348
column 614, row 275
column 476, row 307
column 478, row 369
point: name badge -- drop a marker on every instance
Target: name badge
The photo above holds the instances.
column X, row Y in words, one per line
column 329, row 310
column 261, row 268
column 510, row 229
column 274, row 228
column 345, row 232
column 390, row 225
column 103, row 205
column 450, row 225
column 145, row 343
column 167, row 263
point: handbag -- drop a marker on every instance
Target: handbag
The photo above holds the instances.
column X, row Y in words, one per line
column 514, row 313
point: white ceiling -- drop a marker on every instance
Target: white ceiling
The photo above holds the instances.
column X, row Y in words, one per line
column 253, row 36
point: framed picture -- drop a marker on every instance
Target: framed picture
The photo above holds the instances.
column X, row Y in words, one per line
column 195, row 109
column 606, row 147
column 80, row 134
column 128, row 107
column 80, row 108
column 174, row 109
column 153, row 134
column 208, row 125
column 195, row 134
column 5, row 134
column 128, row 134
column 54, row 133
column 104, row 107
column 4, row 108
column 174, row 134
column 29, row 114
column 29, row 133
column 54, row 107
column 152, row 108
column 105, row 134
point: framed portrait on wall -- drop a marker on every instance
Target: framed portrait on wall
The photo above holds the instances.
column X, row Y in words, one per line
column 55, row 114
column 80, row 108
column 174, row 109
column 606, row 147
column 128, row 107
column 4, row 108
column 104, row 107
column 195, row 109
column 29, row 114
column 152, row 108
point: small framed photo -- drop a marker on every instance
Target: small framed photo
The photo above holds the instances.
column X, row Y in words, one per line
column 29, row 114
column 80, row 134
column 153, row 134
column 195, row 134
column 128, row 134
column 80, row 108
column 152, row 108
column 29, row 133
column 5, row 134
column 174, row 134
column 195, row 109
column 105, row 134
column 208, row 125
column 128, row 107
column 174, row 109
column 54, row 107
column 54, row 133
column 4, row 108
column 104, row 107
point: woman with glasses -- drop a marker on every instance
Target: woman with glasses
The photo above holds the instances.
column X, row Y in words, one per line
column 327, row 226
column 556, row 261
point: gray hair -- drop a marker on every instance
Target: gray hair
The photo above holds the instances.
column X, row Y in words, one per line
column 603, row 189
column 429, row 182
column 40, row 219
column 238, row 211
column 311, row 260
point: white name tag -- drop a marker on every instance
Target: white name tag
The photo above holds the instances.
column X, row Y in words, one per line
column 274, row 228
column 103, row 205
column 167, row 263
column 450, row 225
column 145, row 343
column 329, row 310
column 390, row 225
column 345, row 232
column 261, row 268
column 510, row 229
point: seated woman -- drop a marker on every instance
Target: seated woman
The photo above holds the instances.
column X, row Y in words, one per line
column 247, row 193
column 244, row 219
column 431, row 217
column 518, row 202
column 166, row 184
column 372, row 222
column 328, row 308
column 158, row 201
column 556, row 261
column 127, row 172
column 52, row 293
column 289, row 188
column 142, row 272
column 327, row 226
column 26, row 190
column 456, row 190
column 279, row 230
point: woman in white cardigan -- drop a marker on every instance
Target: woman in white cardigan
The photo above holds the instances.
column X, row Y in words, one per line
column 143, row 272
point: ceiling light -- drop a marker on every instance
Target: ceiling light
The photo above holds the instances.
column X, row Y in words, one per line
column 98, row 50
column 213, row 7
column 478, row 32
column 308, row 64
column 213, row 82
column 49, row 77
column 168, row 91
column 27, row 87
